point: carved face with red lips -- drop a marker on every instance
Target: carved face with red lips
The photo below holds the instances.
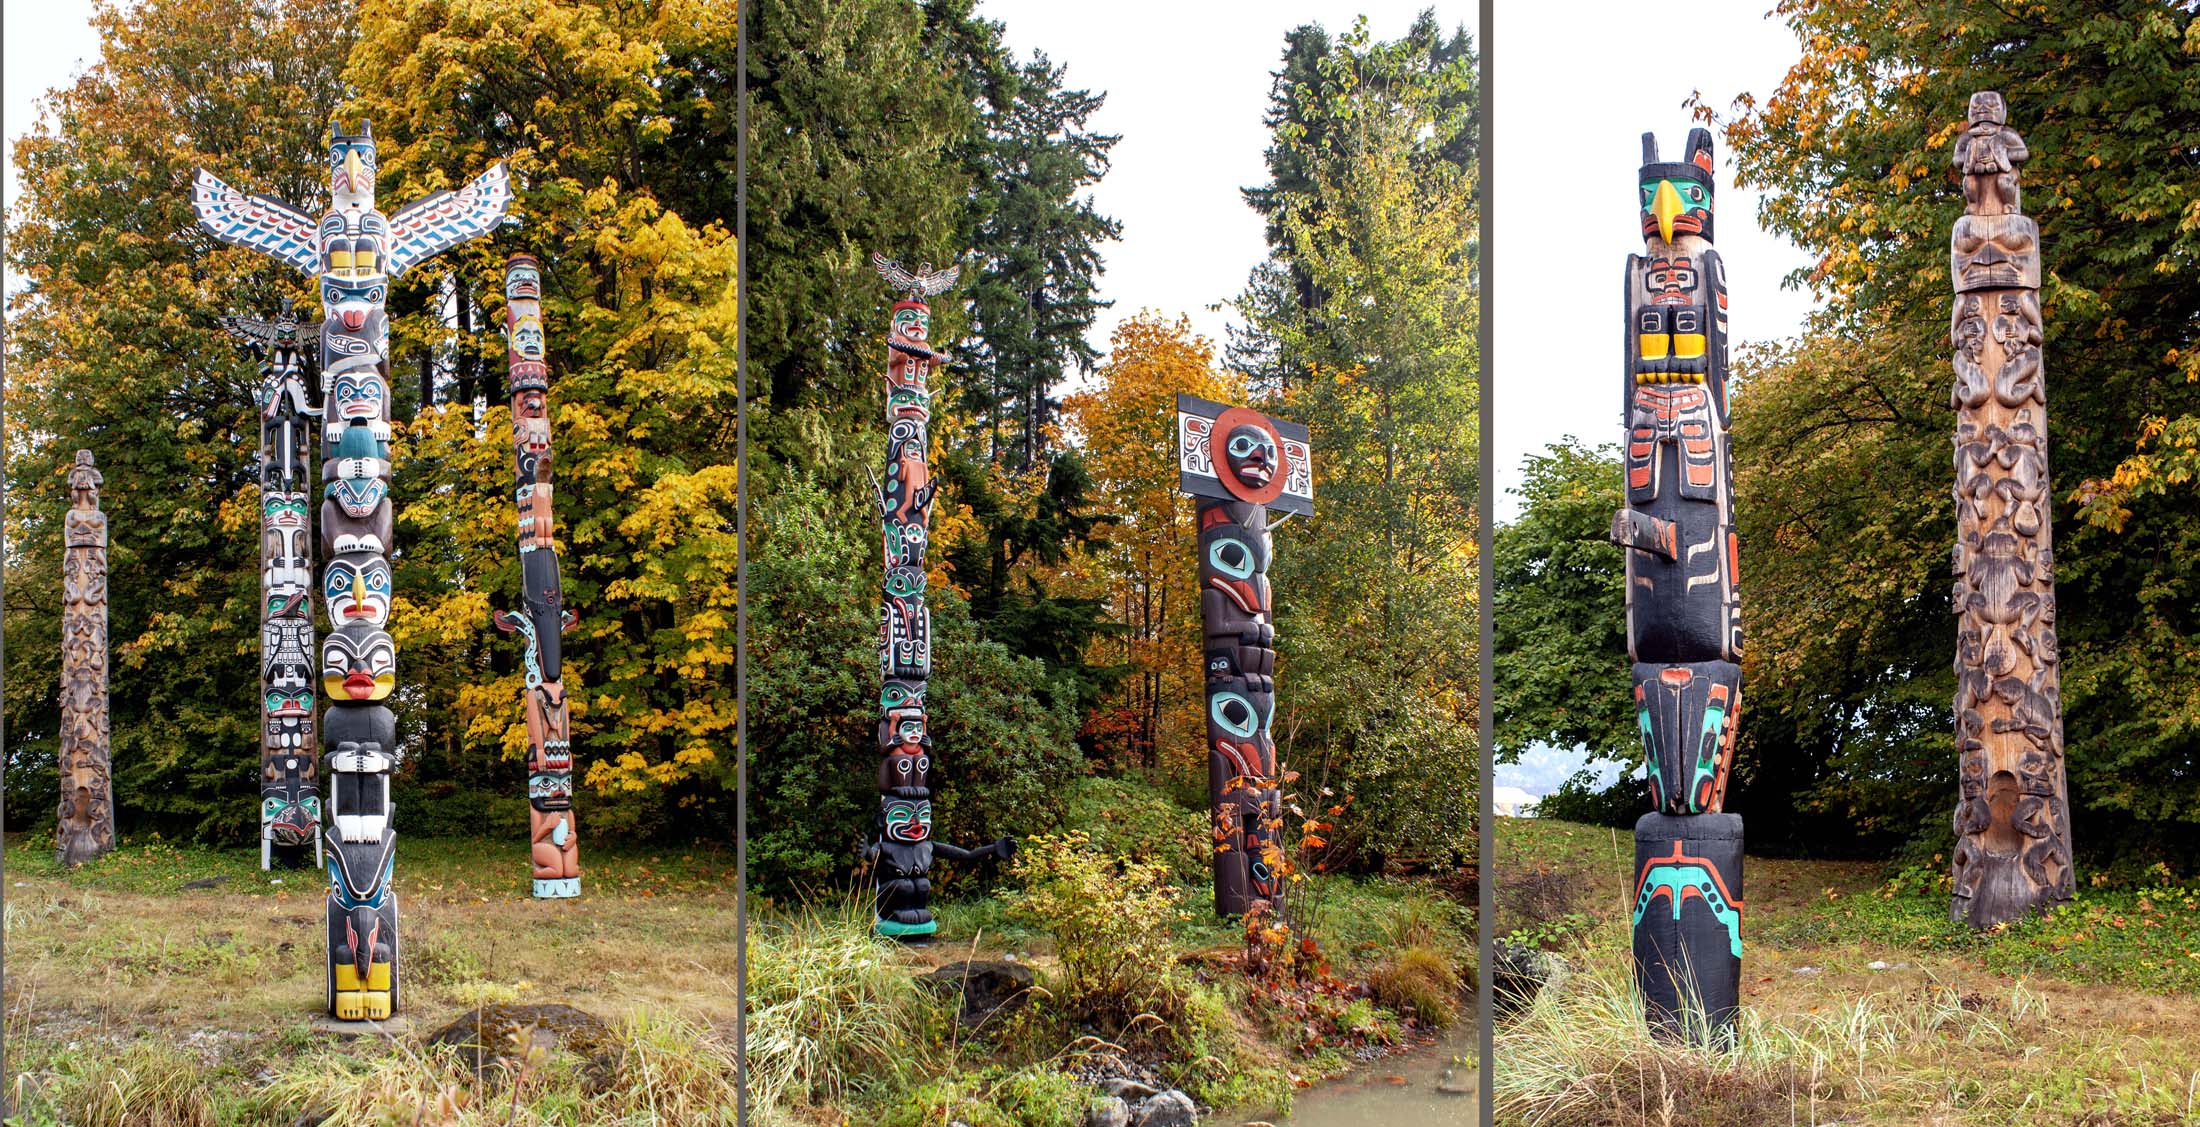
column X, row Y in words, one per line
column 360, row 394
column 912, row 321
column 1672, row 281
column 358, row 663
column 908, row 819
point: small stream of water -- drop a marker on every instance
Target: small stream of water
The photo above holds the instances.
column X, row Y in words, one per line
column 1432, row 1086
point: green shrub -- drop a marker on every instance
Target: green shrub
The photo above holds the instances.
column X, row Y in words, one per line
column 1216, row 1059
column 1034, row 1096
column 1580, row 799
column 1006, row 728
column 1134, row 819
column 1110, row 920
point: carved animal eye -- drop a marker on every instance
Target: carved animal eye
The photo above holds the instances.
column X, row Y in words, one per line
column 1235, row 714
column 1232, row 558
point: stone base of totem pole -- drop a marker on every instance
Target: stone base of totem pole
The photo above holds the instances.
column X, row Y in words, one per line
column 1688, row 923
column 396, row 1025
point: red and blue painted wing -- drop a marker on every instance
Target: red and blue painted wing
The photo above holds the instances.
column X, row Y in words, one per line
column 272, row 227
column 422, row 230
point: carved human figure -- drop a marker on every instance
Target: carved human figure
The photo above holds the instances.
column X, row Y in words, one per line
column 2012, row 821
column 1987, row 155
column 85, row 827
column 354, row 252
column 902, row 846
column 1684, row 625
column 553, row 842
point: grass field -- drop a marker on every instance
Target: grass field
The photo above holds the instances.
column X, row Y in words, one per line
column 1864, row 1004
column 132, row 1000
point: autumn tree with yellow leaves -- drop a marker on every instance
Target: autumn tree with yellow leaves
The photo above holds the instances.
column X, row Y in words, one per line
column 1841, row 437
column 1126, row 424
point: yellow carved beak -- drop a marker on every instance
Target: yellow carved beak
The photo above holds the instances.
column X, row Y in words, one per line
column 1665, row 205
column 351, row 171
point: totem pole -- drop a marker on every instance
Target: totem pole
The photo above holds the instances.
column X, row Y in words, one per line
column 290, row 801
column 2012, row 822
column 907, row 773
column 1684, row 624
column 1265, row 463
column 355, row 252
column 549, row 745
column 86, row 828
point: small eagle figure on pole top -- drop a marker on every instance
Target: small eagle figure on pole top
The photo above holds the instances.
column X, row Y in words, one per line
column 920, row 285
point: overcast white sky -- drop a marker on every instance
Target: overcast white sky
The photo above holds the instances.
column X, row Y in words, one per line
column 1574, row 96
column 48, row 42
column 1187, row 84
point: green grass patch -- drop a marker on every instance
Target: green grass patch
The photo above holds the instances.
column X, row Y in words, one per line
column 2144, row 938
column 447, row 867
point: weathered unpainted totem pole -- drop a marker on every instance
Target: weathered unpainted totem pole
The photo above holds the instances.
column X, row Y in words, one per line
column 555, row 849
column 1264, row 463
column 355, row 252
column 290, row 800
column 2012, row 853
column 907, row 771
column 86, row 828
column 1684, row 624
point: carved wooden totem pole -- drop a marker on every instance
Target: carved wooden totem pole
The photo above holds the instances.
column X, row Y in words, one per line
column 1684, row 626
column 2012, row 852
column 907, row 771
column 1263, row 463
column 86, row 828
column 355, row 251
column 543, row 618
column 290, row 800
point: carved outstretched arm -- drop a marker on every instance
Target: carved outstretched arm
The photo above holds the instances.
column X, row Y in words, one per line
column 1645, row 533
column 1004, row 849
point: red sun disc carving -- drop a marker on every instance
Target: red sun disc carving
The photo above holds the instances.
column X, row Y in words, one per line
column 1217, row 449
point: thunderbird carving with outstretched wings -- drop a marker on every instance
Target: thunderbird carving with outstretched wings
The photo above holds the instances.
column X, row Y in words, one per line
column 270, row 226
column 428, row 227
column 921, row 284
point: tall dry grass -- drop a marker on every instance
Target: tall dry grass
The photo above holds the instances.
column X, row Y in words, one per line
column 1582, row 1056
column 831, row 1006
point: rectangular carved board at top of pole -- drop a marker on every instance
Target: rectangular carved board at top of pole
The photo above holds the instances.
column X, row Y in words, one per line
column 908, row 768
column 2012, row 819
column 1239, row 464
column 1684, row 627
column 353, row 253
